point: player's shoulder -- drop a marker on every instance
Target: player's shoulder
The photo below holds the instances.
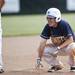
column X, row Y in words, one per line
column 64, row 22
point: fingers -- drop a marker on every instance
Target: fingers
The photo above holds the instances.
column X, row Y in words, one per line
column 38, row 66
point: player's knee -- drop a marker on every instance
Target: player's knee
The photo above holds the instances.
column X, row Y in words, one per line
column 48, row 45
column 72, row 52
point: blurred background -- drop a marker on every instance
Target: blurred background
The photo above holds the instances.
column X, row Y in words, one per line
column 27, row 17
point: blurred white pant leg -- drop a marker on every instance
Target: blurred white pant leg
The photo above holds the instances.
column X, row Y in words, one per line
column 68, row 51
column 1, row 63
column 51, row 60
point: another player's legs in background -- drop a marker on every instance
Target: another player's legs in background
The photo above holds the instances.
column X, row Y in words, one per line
column 1, row 62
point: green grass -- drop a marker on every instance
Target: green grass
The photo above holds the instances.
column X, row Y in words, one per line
column 28, row 24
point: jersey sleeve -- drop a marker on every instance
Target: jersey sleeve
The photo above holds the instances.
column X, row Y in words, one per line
column 46, row 32
column 68, row 30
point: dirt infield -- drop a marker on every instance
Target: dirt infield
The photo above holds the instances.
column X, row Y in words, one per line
column 19, row 55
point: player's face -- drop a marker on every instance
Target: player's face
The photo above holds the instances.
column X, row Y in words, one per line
column 51, row 22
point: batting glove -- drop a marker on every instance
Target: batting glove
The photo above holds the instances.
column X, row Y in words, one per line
column 39, row 64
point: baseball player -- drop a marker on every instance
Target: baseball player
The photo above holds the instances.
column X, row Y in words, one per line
column 1, row 63
column 62, row 41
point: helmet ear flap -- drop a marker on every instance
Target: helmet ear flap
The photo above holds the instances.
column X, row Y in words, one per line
column 58, row 19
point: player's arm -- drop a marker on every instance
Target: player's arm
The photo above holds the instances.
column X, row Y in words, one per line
column 41, row 47
column 40, row 52
column 67, row 42
column 2, row 3
column 44, row 36
column 68, row 34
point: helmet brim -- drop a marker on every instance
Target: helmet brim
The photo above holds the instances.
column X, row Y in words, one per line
column 50, row 16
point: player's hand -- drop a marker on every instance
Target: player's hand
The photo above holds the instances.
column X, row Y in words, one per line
column 56, row 52
column 38, row 64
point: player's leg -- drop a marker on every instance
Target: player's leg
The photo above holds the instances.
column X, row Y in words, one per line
column 71, row 62
column 71, row 53
column 1, row 63
column 52, row 59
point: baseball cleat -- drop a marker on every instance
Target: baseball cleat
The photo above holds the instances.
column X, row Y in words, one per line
column 72, row 69
column 55, row 68
column 1, row 70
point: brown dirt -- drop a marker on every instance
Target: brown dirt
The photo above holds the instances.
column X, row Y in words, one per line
column 19, row 55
